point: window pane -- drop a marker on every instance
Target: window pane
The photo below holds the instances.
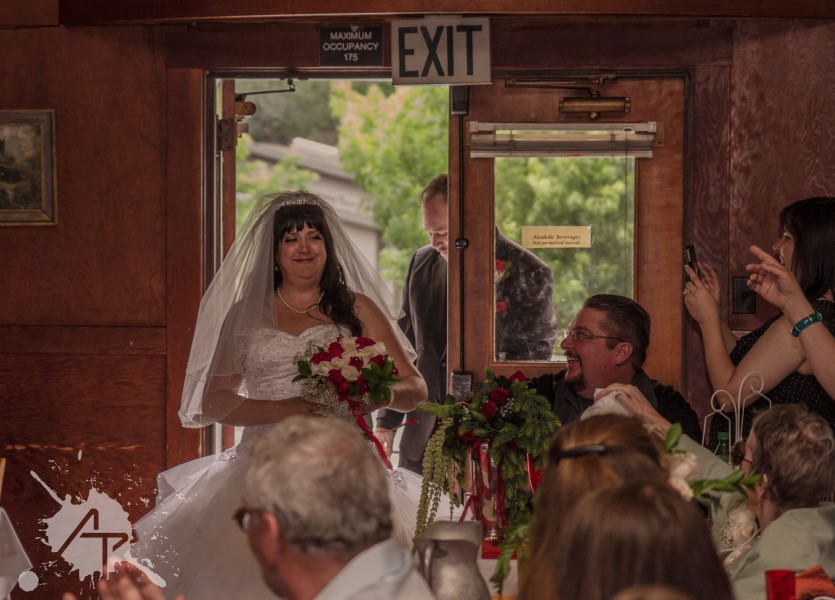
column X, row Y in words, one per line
column 577, row 192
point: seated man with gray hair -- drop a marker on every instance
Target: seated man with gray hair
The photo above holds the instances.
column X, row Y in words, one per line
column 317, row 512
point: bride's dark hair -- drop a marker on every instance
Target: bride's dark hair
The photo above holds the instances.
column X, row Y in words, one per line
column 337, row 299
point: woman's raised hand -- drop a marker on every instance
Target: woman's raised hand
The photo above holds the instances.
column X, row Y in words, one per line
column 771, row 280
column 702, row 294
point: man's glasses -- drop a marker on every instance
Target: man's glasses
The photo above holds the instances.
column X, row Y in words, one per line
column 578, row 335
column 243, row 517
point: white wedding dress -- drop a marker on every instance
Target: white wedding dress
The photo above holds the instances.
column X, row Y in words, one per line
column 190, row 539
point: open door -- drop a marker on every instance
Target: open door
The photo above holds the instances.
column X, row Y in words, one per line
column 652, row 215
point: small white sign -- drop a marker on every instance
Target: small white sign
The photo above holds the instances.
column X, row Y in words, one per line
column 556, row 236
column 447, row 50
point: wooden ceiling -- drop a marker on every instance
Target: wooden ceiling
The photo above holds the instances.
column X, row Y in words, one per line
column 100, row 12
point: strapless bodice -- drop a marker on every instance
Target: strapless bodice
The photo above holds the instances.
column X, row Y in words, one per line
column 268, row 359
column 267, row 362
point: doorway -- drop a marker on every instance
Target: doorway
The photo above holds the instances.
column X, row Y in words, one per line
column 656, row 220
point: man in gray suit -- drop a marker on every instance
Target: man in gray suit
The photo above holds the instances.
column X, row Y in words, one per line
column 424, row 323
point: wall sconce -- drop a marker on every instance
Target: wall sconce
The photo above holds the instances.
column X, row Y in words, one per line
column 595, row 105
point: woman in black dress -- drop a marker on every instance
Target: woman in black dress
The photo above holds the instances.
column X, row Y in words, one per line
column 806, row 246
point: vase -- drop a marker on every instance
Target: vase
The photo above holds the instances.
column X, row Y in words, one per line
column 487, row 493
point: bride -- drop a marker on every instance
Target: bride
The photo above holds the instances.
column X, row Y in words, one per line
column 292, row 280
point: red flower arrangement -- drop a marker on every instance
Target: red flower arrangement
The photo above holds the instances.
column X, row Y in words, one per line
column 351, row 373
column 505, row 423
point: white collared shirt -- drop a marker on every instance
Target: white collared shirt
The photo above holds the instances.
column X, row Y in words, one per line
column 383, row 572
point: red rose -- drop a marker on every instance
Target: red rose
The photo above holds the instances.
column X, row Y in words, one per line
column 319, row 357
column 501, row 306
column 335, row 350
column 467, row 437
column 363, row 342
column 362, row 386
column 379, row 359
column 499, row 265
column 343, row 389
column 488, row 409
column 356, row 362
column 335, row 377
column 498, row 396
column 517, row 376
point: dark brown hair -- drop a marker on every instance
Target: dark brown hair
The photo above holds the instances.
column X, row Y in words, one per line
column 811, row 222
column 438, row 185
column 625, row 319
column 632, row 455
column 635, row 534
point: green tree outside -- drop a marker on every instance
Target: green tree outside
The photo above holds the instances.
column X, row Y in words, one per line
column 254, row 178
column 394, row 142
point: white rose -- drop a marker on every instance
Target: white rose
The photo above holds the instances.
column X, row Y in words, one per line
column 350, row 373
column 742, row 525
column 372, row 350
column 681, row 486
column 323, row 368
column 338, row 362
column 683, row 465
column 349, row 346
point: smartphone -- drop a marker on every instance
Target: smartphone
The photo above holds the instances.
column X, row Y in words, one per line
column 690, row 258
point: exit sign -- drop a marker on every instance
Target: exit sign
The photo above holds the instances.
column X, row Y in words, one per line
column 452, row 51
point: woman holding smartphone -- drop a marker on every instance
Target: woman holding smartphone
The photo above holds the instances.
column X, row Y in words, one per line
column 776, row 284
column 807, row 248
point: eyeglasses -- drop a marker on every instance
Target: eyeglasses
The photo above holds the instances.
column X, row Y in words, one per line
column 578, row 335
column 738, row 454
column 243, row 517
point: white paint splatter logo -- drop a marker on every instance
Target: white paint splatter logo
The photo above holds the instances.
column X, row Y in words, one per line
column 86, row 534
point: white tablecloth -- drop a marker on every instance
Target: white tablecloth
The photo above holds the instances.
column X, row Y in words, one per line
column 13, row 559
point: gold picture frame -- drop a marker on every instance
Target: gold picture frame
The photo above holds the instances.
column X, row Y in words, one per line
column 27, row 167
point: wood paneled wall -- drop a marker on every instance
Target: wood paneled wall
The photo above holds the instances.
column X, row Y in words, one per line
column 96, row 312
column 83, row 339
column 782, row 145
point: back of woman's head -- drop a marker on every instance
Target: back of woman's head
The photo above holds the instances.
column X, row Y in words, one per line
column 599, row 451
column 811, row 222
column 794, row 450
column 585, row 456
column 637, row 534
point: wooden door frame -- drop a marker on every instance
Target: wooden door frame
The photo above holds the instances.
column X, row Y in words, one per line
column 478, row 221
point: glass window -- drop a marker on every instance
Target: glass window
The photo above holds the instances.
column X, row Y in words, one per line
column 595, row 195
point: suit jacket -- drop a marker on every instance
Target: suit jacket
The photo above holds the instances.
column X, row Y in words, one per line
column 425, row 324
column 526, row 327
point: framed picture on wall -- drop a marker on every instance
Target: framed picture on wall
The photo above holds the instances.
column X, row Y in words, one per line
column 27, row 167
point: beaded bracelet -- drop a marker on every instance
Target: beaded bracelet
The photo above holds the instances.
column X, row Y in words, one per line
column 805, row 322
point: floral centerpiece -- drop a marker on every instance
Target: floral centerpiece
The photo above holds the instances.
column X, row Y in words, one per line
column 348, row 376
column 505, row 426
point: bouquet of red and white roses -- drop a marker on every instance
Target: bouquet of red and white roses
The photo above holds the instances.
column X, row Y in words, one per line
column 348, row 376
